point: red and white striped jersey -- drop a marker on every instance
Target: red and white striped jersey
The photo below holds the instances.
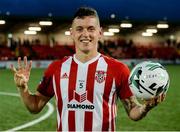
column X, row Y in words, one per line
column 86, row 93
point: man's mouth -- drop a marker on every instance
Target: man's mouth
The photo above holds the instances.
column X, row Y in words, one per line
column 85, row 40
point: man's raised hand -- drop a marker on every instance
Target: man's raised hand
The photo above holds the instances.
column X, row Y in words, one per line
column 22, row 73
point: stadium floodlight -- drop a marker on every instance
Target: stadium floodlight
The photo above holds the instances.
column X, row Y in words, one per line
column 27, row 32
column 162, row 25
column 108, row 34
column 172, row 37
column 126, row 25
column 10, row 35
column 151, row 30
column 146, row 34
column 34, row 28
column 114, row 30
column 2, row 21
column 67, row 33
column 113, row 16
column 45, row 23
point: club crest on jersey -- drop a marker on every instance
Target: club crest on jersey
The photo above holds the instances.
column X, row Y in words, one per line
column 100, row 76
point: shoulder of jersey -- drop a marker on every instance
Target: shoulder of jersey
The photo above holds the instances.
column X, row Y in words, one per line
column 112, row 61
column 56, row 63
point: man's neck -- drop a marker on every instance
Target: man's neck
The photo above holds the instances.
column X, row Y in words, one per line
column 85, row 57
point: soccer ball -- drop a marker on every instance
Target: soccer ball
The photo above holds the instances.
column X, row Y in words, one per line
column 148, row 80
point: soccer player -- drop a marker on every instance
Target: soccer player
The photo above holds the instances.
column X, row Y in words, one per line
column 86, row 85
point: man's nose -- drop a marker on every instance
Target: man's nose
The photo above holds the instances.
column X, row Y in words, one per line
column 85, row 32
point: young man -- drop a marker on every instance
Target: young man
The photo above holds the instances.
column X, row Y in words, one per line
column 86, row 85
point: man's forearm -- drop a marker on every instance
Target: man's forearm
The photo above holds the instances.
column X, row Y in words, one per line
column 32, row 102
column 135, row 110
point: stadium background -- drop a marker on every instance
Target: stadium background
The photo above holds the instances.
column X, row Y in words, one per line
column 52, row 42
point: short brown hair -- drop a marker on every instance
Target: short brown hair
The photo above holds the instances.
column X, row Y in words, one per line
column 85, row 11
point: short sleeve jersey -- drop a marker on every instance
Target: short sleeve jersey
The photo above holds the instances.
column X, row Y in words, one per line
column 86, row 93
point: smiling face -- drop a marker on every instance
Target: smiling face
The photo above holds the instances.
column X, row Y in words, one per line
column 86, row 32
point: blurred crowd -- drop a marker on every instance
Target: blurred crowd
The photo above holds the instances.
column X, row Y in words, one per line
column 120, row 49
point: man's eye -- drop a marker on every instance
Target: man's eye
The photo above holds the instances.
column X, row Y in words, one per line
column 79, row 29
column 91, row 29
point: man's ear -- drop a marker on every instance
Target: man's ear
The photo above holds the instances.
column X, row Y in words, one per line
column 101, row 33
column 70, row 29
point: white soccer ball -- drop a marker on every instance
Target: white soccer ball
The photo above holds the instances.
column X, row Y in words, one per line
column 148, row 80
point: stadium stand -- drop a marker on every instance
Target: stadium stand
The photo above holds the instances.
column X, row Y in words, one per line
column 120, row 51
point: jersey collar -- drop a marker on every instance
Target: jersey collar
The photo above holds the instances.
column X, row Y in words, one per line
column 88, row 62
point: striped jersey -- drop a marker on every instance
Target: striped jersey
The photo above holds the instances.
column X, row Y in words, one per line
column 86, row 93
